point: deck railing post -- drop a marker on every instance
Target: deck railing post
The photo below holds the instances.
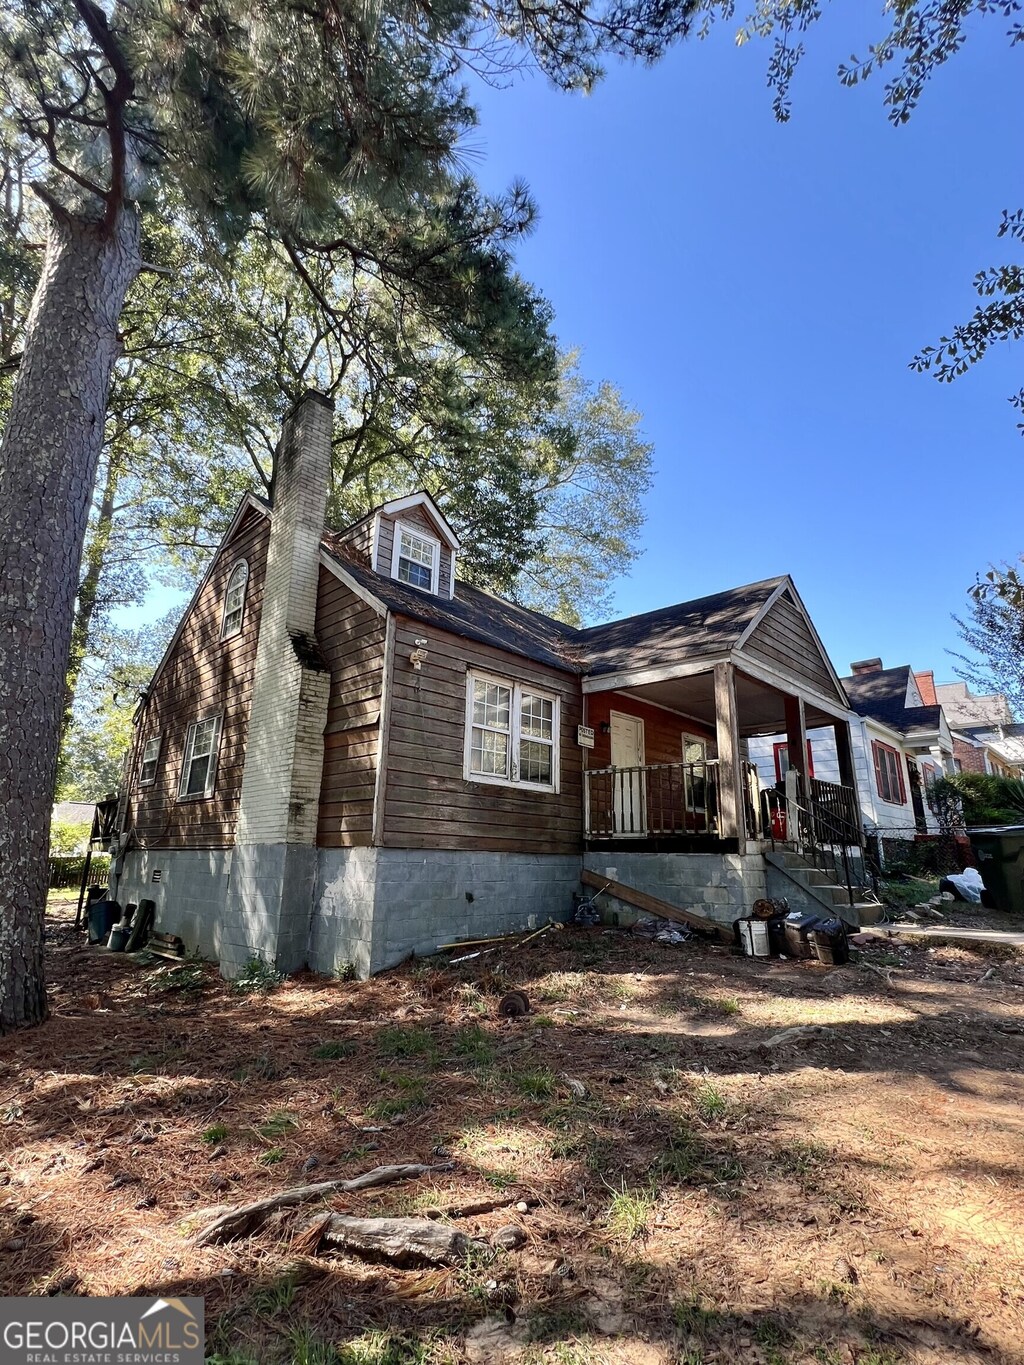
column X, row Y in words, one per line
column 731, row 824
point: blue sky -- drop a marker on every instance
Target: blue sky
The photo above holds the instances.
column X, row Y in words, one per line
column 757, row 290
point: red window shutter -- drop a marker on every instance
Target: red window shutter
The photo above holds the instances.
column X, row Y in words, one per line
column 780, row 749
column 899, row 773
column 810, row 760
column 876, row 754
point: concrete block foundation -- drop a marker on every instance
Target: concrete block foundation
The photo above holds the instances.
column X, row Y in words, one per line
column 327, row 908
column 722, row 886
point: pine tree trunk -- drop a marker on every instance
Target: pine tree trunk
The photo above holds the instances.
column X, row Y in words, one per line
column 48, row 461
column 88, row 590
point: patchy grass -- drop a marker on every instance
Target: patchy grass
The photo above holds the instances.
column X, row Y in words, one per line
column 334, row 1051
column 277, row 1125
column 534, row 1085
column 629, row 1212
column 406, row 1042
column 709, row 1101
column 692, row 1206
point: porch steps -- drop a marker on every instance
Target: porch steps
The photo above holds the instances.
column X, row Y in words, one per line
column 819, row 886
column 653, row 905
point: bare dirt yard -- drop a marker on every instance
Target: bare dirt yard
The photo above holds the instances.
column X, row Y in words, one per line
column 692, row 1187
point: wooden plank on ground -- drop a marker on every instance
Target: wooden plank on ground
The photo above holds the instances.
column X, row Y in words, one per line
column 641, row 900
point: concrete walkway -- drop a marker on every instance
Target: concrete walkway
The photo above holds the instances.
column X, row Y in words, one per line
column 1015, row 938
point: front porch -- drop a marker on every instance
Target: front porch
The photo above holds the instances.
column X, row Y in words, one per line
column 669, row 770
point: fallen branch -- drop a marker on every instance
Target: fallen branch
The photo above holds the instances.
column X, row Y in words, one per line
column 479, row 1206
column 401, row 1240
column 238, row 1222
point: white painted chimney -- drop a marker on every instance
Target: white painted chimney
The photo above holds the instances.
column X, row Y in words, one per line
column 284, row 756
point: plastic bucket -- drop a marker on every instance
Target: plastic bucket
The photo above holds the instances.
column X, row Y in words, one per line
column 118, row 938
column 999, row 851
column 754, row 937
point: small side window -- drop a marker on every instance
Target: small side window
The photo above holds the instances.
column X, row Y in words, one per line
column 416, row 558
column 150, row 762
column 199, row 768
column 234, row 600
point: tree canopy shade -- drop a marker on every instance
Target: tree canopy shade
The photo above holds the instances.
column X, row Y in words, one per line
column 286, row 118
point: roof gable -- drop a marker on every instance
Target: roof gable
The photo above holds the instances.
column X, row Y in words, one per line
column 782, row 638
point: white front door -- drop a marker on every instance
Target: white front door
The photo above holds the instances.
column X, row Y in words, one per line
column 627, row 735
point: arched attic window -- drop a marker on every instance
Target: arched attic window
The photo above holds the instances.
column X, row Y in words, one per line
column 234, row 600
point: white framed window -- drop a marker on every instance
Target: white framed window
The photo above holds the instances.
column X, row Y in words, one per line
column 511, row 733
column 150, row 761
column 199, row 765
column 416, row 559
column 234, row 600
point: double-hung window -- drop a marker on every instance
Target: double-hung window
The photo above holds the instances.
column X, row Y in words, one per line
column 417, row 558
column 889, row 774
column 199, row 767
column 511, row 733
column 150, row 762
column 234, row 600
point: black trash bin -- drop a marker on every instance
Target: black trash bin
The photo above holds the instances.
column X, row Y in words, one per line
column 999, row 850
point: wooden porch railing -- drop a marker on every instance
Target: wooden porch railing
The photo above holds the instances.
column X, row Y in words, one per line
column 658, row 800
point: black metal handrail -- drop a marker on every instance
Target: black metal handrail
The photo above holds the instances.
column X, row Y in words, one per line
column 824, row 831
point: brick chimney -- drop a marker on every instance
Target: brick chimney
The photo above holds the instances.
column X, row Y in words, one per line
column 866, row 666
column 926, row 686
column 273, row 873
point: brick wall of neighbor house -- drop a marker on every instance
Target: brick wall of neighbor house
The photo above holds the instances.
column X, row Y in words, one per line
column 204, row 675
column 351, row 636
column 663, row 730
column 418, row 518
column 971, row 760
column 429, row 802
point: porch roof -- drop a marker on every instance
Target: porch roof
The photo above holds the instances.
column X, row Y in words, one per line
column 760, row 707
column 703, row 628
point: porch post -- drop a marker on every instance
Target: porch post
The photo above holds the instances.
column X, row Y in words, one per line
column 844, row 752
column 796, row 735
column 732, row 824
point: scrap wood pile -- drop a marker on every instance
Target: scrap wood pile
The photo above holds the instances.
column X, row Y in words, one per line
column 405, row 1241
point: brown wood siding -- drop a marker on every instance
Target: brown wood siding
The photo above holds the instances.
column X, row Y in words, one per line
column 663, row 730
column 429, row 803
column 203, row 676
column 360, row 538
column 784, row 642
column 415, row 516
column 351, row 636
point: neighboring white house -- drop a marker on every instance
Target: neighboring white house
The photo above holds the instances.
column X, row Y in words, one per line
column 900, row 747
column 986, row 739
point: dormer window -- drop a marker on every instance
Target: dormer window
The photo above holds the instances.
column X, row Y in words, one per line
column 417, row 558
column 234, row 600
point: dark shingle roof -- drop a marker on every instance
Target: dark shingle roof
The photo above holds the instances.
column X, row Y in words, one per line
column 689, row 630
column 707, row 626
column 471, row 613
column 922, row 717
column 882, row 696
